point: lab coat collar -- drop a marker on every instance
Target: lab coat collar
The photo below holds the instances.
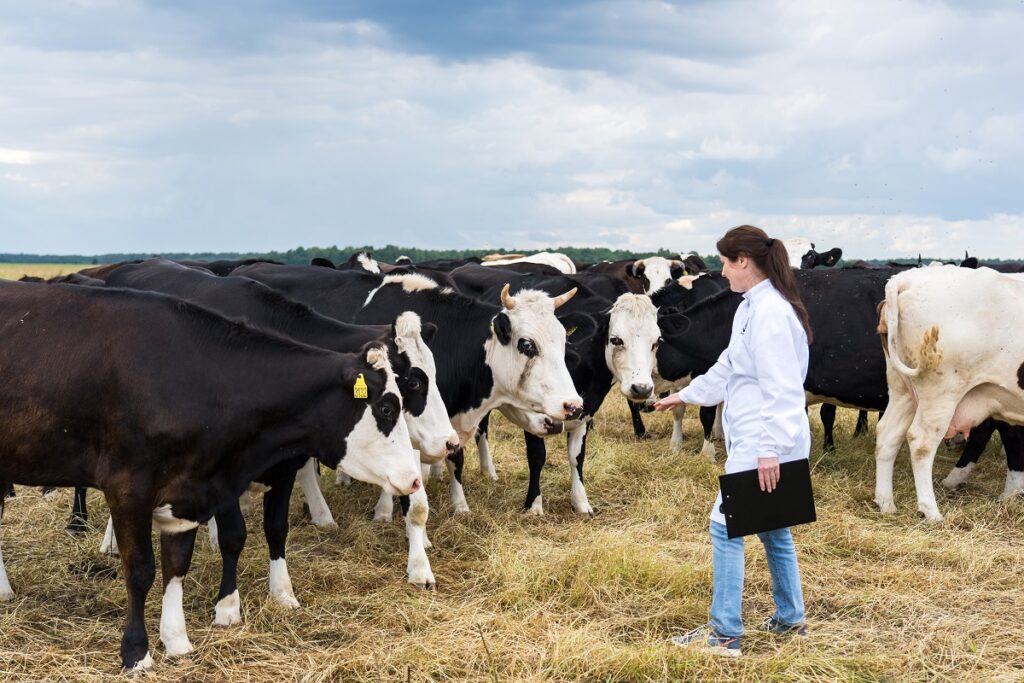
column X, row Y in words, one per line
column 757, row 290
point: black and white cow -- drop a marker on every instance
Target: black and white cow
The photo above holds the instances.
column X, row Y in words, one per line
column 621, row 350
column 642, row 276
column 487, row 356
column 171, row 410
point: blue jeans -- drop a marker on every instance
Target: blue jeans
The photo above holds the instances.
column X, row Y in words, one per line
column 728, row 583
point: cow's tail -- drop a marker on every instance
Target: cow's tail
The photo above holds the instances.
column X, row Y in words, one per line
column 929, row 352
column 888, row 327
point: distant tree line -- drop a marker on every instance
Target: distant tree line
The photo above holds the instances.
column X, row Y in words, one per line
column 390, row 252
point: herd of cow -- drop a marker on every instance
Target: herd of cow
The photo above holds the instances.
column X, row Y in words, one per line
column 176, row 387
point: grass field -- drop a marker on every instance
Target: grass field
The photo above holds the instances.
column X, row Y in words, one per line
column 13, row 271
column 889, row 598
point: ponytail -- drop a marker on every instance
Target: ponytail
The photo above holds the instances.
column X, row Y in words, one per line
column 771, row 258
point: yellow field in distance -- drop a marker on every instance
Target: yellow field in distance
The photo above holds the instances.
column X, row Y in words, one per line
column 13, row 271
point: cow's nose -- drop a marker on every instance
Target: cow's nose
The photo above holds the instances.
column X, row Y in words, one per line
column 452, row 445
column 640, row 391
column 572, row 410
column 415, row 486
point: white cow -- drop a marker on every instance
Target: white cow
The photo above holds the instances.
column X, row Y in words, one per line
column 954, row 356
column 558, row 261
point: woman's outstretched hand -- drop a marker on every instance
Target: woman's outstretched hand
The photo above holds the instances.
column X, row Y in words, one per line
column 668, row 403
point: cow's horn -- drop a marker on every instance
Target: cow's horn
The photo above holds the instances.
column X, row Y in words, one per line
column 506, row 300
column 562, row 298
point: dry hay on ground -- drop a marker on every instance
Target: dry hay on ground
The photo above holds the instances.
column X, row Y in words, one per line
column 14, row 271
column 558, row 597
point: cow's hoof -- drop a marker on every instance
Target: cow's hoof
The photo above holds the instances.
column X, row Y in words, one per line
column 325, row 524
column 537, row 508
column 887, row 506
column 6, row 596
column 286, row 600
column 422, row 578
column 931, row 516
column 178, row 647
column 462, row 508
column 646, row 436
column 382, row 517
column 228, row 611
column 143, row 664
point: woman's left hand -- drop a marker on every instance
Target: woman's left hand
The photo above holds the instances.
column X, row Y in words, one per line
column 768, row 473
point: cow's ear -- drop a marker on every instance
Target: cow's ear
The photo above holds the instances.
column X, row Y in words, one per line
column 676, row 270
column 636, row 269
column 502, row 327
column 323, row 263
column 428, row 331
column 672, row 323
column 579, row 327
column 572, row 359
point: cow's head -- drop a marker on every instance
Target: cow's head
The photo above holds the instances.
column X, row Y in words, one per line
column 633, row 338
column 526, row 354
column 813, row 258
column 378, row 450
column 429, row 427
column 655, row 272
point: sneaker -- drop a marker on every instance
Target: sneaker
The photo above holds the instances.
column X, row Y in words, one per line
column 705, row 639
column 773, row 625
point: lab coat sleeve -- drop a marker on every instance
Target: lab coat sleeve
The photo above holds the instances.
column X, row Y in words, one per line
column 709, row 388
column 779, row 376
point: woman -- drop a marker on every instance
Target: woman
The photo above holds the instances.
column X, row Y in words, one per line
column 759, row 377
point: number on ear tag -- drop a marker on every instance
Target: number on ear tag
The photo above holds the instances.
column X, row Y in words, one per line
column 359, row 389
column 568, row 333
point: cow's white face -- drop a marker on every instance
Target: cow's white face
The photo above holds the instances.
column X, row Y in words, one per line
column 378, row 450
column 526, row 354
column 656, row 272
column 633, row 338
column 431, row 431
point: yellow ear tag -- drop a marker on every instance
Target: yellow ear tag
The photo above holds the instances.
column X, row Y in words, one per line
column 359, row 389
column 492, row 327
column 569, row 332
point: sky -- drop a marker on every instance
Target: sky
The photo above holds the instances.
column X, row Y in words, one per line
column 886, row 128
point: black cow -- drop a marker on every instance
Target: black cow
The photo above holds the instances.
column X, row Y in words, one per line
column 812, row 259
column 171, row 410
column 254, row 302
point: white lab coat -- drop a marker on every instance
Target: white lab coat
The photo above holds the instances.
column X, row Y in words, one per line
column 759, row 377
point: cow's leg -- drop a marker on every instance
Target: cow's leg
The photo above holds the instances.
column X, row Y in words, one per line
column 385, row 507
column 483, row 448
column 309, row 480
column 576, row 444
column 8, row 490
column 456, row 493
column 341, row 478
column 890, row 435
column 417, row 509
column 675, row 444
column 1013, row 443
column 923, row 438
column 6, row 593
column 707, row 422
column 275, row 528
column 78, row 521
column 861, row 427
column 108, row 545
column 536, row 456
column 718, row 432
column 973, row 449
column 639, row 430
column 231, row 535
column 175, row 559
column 828, row 427
column 133, row 524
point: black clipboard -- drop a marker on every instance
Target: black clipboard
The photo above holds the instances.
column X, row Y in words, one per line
column 749, row 510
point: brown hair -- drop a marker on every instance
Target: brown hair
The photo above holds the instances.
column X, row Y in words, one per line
column 771, row 258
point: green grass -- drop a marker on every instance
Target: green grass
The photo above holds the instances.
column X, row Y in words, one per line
column 889, row 598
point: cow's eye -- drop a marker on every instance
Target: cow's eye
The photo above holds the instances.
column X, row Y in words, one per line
column 657, row 343
column 527, row 347
column 615, row 341
column 415, row 384
column 387, row 411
